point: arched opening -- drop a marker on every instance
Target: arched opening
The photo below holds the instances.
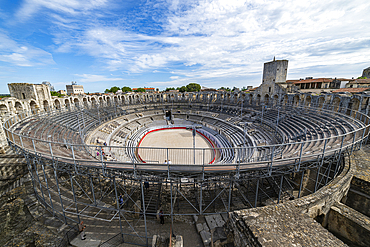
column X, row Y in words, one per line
column 67, row 103
column 33, row 105
column 76, row 102
column 18, row 106
column 285, row 101
column 258, row 101
column 321, row 102
column 93, row 101
column 354, row 105
column 267, row 99
column 84, row 102
column 308, row 100
column 57, row 104
column 276, row 99
column 336, row 103
column 295, row 100
column 365, row 101
column 3, row 110
column 45, row 105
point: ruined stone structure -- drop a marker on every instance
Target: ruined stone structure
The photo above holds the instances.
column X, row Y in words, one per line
column 60, row 143
column 274, row 73
column 366, row 73
column 33, row 96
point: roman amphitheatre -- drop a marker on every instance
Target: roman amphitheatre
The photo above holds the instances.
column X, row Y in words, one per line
column 247, row 169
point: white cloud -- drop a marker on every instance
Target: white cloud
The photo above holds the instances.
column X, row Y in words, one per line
column 23, row 55
column 96, row 78
column 201, row 40
column 71, row 7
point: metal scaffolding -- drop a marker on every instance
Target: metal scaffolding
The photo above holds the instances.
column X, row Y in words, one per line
column 72, row 187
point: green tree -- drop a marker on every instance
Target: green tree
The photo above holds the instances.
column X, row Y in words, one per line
column 126, row 89
column 53, row 93
column 193, row 87
column 140, row 90
column 113, row 89
column 182, row 89
column 362, row 77
column 169, row 88
column 223, row 88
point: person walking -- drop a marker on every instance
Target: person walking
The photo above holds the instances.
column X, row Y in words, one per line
column 161, row 217
column 120, row 200
column 146, row 185
column 81, row 229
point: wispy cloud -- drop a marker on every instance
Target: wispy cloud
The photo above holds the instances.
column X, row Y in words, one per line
column 221, row 35
column 22, row 54
column 70, row 7
column 96, row 78
column 204, row 41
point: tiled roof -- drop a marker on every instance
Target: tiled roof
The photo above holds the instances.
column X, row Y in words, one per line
column 360, row 81
column 351, row 90
column 314, row 80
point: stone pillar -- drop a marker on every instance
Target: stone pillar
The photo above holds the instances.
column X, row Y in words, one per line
column 3, row 142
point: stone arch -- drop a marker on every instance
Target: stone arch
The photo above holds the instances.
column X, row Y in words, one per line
column 3, row 109
column 76, row 102
column 308, row 100
column 84, row 100
column 57, row 104
column 354, row 105
column 321, row 102
column 285, row 99
column 250, row 99
column 296, row 100
column 336, row 103
column 276, row 99
column 108, row 101
column 365, row 102
column 266, row 99
column 67, row 103
column 18, row 106
column 93, row 101
column 258, row 101
column 45, row 105
column 33, row 105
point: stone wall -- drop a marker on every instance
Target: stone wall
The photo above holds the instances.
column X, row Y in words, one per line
column 292, row 223
column 350, row 224
column 366, row 73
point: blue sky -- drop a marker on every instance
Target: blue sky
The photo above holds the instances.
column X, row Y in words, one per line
column 103, row 43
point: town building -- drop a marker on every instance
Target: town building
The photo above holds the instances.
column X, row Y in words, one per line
column 75, row 89
column 358, row 83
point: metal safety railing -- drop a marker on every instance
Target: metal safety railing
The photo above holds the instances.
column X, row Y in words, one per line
column 126, row 157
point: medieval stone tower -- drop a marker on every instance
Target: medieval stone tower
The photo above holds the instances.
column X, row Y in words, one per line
column 274, row 72
column 366, row 73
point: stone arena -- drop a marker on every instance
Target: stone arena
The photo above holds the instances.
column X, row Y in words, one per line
column 261, row 168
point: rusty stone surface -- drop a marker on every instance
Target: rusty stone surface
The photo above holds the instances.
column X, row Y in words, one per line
column 361, row 162
column 350, row 224
column 18, row 227
column 292, row 223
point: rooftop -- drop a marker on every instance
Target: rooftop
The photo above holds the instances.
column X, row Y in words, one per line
column 351, row 90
